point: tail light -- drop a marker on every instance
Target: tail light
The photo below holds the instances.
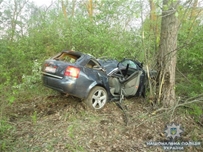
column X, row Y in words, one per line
column 72, row 71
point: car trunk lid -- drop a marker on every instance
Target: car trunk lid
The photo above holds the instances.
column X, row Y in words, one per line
column 63, row 64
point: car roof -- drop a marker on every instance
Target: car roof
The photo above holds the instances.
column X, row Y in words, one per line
column 73, row 52
column 84, row 57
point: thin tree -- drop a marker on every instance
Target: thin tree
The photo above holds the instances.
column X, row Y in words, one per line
column 194, row 14
column 90, row 8
column 154, row 21
column 16, row 12
column 63, row 5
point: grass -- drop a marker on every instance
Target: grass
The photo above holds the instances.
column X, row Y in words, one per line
column 34, row 117
column 5, row 129
column 42, row 121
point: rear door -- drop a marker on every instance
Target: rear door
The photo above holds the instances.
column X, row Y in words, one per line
column 94, row 70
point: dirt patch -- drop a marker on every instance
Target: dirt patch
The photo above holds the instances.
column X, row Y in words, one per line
column 58, row 123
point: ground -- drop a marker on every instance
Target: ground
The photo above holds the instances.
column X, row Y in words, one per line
column 58, row 123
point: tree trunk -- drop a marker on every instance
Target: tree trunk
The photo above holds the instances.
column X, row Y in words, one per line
column 90, row 8
column 193, row 17
column 64, row 10
column 194, row 11
column 167, row 54
column 153, row 19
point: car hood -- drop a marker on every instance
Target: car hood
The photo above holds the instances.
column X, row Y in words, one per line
column 108, row 64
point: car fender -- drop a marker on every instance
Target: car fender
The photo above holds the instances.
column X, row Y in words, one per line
column 91, row 86
column 94, row 84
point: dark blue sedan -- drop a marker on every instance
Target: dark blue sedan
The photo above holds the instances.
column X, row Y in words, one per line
column 96, row 81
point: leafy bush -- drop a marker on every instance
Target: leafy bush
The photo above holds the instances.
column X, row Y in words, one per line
column 5, row 127
column 196, row 111
column 34, row 78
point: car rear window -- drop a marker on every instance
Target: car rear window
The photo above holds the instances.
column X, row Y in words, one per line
column 72, row 58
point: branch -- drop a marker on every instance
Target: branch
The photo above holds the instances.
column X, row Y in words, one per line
column 193, row 101
column 183, row 75
column 193, row 98
column 171, row 109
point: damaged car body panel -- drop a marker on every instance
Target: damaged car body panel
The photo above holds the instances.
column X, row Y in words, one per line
column 96, row 81
column 73, row 73
column 126, row 68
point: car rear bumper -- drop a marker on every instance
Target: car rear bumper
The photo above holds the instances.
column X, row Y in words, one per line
column 64, row 85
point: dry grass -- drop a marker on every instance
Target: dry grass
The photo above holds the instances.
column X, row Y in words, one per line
column 63, row 124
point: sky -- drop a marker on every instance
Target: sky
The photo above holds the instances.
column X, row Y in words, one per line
column 42, row 2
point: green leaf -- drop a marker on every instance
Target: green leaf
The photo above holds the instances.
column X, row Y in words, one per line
column 176, row 14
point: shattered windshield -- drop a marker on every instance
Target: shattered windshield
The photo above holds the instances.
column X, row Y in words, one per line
column 131, row 64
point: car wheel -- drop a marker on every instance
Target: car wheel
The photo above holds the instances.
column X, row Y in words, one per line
column 97, row 98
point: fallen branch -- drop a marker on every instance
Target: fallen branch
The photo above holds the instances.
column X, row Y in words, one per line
column 190, row 102
column 196, row 97
column 184, row 75
column 171, row 110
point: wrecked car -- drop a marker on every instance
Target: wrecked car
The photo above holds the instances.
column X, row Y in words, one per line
column 96, row 81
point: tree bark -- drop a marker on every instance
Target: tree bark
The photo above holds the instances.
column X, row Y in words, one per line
column 194, row 11
column 64, row 10
column 193, row 16
column 18, row 7
column 90, row 8
column 167, row 54
column 153, row 19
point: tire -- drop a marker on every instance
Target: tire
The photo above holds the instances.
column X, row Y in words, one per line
column 97, row 98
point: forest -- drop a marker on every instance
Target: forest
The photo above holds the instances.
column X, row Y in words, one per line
column 165, row 35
